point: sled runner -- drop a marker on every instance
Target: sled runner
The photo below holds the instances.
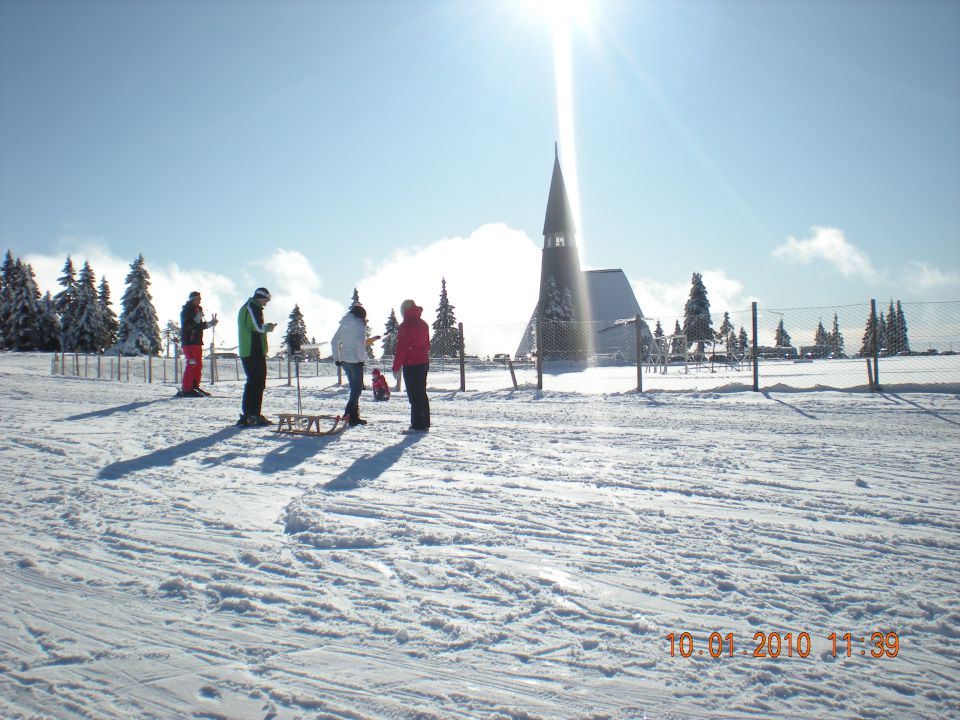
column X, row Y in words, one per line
column 296, row 424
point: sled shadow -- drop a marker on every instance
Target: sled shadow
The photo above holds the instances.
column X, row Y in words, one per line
column 111, row 411
column 369, row 468
column 293, row 450
column 786, row 404
column 164, row 457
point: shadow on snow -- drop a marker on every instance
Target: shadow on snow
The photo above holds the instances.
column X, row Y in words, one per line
column 372, row 467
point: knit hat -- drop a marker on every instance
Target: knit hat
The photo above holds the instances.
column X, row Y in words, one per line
column 375, row 372
column 262, row 293
column 194, row 295
column 359, row 311
column 406, row 305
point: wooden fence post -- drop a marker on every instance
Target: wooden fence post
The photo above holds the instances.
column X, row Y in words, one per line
column 637, row 321
column 463, row 365
column 876, row 345
column 753, row 350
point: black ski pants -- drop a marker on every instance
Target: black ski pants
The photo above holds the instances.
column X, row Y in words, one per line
column 255, row 368
column 415, row 378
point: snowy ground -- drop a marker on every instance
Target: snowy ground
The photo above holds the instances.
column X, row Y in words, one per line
column 525, row 559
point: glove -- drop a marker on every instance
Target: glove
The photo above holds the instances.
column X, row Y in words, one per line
column 268, row 327
column 338, row 363
column 396, row 374
column 213, row 323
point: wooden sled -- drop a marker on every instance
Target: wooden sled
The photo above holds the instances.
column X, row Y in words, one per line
column 296, row 424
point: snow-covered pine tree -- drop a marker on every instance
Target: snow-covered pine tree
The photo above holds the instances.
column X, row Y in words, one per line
column 697, row 325
column 835, row 339
column 86, row 330
column 6, row 298
column 355, row 300
column 782, row 338
column 50, row 332
column 882, row 335
column 171, row 336
column 821, row 340
column 296, row 335
column 108, row 317
column 892, row 331
column 678, row 346
column 743, row 340
column 566, row 305
column 868, row 346
column 390, row 334
column 446, row 336
column 139, row 333
column 552, row 303
column 65, row 302
column 726, row 328
column 901, row 325
column 25, row 316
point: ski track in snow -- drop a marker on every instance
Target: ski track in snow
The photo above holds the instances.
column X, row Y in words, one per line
column 525, row 559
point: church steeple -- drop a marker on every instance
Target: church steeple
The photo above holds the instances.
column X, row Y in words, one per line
column 561, row 282
column 558, row 226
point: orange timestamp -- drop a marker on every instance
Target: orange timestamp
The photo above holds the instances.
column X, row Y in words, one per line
column 779, row 644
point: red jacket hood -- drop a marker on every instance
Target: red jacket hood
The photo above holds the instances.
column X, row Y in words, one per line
column 413, row 313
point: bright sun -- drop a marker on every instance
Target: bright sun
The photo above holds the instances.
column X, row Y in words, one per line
column 565, row 13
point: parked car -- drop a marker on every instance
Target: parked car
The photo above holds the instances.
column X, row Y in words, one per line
column 501, row 358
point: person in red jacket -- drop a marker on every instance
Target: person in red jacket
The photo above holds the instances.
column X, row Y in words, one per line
column 192, row 325
column 413, row 356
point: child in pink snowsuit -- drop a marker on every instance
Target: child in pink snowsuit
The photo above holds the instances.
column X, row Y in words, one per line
column 381, row 391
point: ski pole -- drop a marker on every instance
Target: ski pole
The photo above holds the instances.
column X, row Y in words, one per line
column 296, row 362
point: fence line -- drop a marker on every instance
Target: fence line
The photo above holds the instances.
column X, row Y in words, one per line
column 842, row 347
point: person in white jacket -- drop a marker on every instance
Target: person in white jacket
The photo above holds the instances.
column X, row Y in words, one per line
column 349, row 348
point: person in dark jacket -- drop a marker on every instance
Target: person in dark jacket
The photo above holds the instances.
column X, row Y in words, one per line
column 252, row 336
column 192, row 326
column 413, row 356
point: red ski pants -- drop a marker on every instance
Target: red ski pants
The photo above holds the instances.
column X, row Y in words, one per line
column 193, row 357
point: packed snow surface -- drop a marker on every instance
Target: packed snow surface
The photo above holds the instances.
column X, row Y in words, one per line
column 527, row 558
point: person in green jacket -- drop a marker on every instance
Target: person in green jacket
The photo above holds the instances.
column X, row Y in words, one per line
column 252, row 335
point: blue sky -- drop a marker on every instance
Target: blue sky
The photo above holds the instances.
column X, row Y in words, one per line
column 796, row 153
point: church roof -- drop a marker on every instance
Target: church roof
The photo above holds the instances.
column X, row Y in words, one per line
column 610, row 295
column 559, row 218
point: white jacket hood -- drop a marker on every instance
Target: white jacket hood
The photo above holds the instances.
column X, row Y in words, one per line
column 349, row 343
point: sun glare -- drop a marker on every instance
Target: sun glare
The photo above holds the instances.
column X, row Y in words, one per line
column 562, row 18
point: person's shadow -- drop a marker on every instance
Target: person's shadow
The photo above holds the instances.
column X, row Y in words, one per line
column 106, row 412
column 165, row 456
column 367, row 469
column 293, row 450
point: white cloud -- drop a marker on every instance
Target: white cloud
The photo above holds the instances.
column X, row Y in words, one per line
column 665, row 301
column 829, row 245
column 492, row 280
column 923, row 276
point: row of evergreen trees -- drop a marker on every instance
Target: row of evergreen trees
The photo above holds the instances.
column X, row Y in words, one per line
column 79, row 318
column 445, row 341
column 891, row 330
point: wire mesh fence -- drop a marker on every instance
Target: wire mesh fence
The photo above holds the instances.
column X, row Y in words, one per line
column 863, row 345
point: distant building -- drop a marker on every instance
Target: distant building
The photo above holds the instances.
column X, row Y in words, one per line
column 582, row 311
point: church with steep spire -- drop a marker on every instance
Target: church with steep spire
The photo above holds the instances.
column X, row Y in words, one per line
column 602, row 300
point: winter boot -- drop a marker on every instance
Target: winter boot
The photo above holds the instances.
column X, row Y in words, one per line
column 242, row 422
